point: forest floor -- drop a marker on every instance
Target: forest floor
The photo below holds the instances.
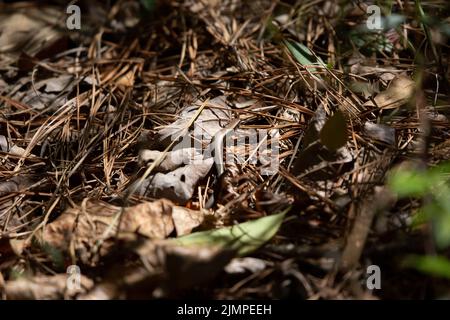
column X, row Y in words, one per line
column 224, row 149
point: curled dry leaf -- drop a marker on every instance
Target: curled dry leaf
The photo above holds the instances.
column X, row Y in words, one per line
column 9, row 147
column 400, row 91
column 185, row 220
column 95, row 222
column 126, row 80
column 177, row 185
column 210, row 121
column 45, row 288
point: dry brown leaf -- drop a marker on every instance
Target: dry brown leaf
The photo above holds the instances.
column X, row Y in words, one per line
column 186, row 219
column 399, row 92
column 127, row 80
column 94, row 222
column 45, row 288
column 28, row 30
column 17, row 246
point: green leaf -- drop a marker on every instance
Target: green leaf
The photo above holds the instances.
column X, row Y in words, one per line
column 303, row 54
column 408, row 183
column 244, row 238
column 149, row 5
column 439, row 211
column 433, row 182
column 415, row 183
column 433, row 265
column 334, row 133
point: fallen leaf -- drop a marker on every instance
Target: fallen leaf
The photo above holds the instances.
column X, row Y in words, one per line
column 87, row 225
column 45, row 288
column 17, row 246
column 127, row 80
column 95, row 222
column 9, row 147
column 186, row 219
column 58, row 84
column 28, row 30
column 334, row 132
column 380, row 132
column 399, row 92
column 171, row 160
column 150, row 219
column 303, row 54
column 177, row 185
column 210, row 121
column 244, row 238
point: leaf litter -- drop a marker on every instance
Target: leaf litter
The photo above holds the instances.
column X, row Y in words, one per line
column 97, row 163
